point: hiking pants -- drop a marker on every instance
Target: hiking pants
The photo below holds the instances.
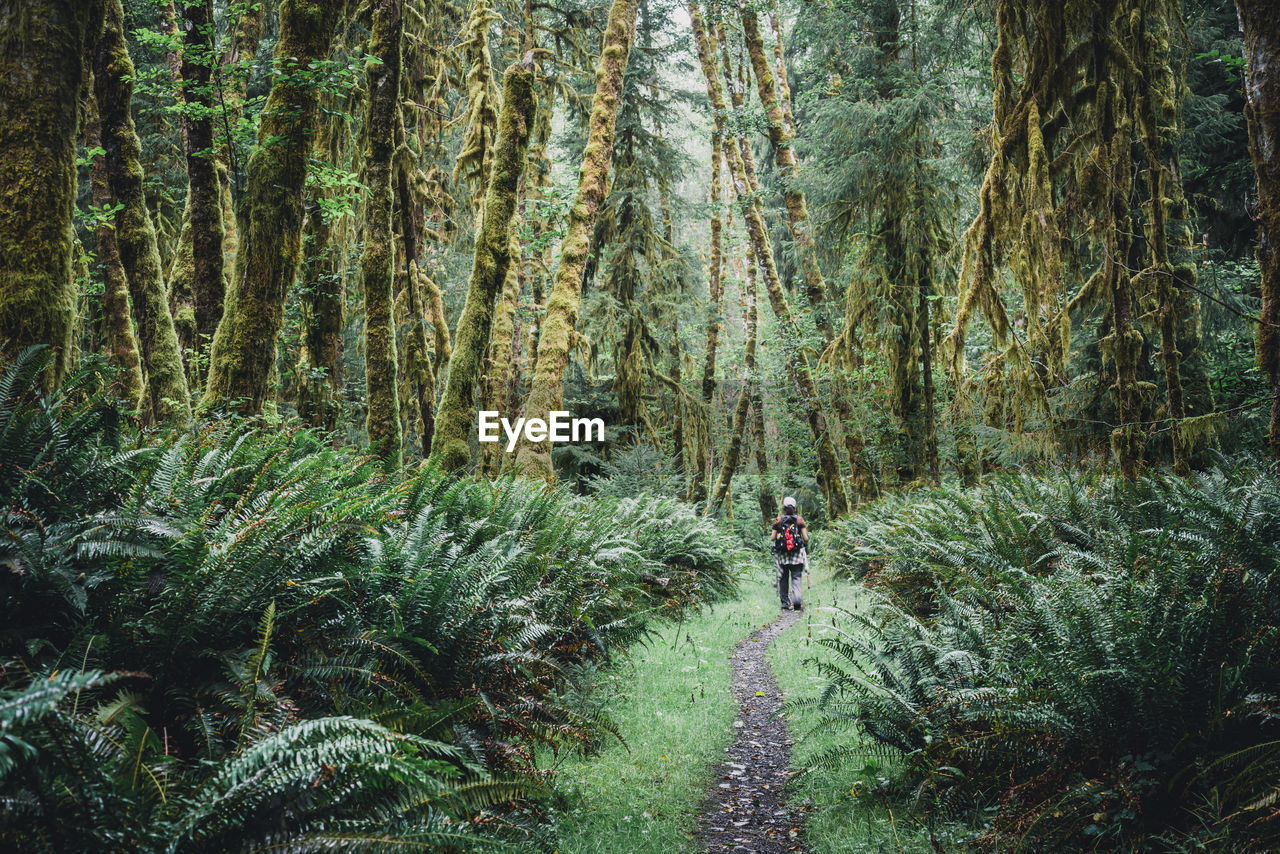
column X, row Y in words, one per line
column 789, row 577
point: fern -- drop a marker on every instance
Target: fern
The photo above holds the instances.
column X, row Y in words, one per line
column 1071, row 652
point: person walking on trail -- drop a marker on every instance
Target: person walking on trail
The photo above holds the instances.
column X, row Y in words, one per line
column 790, row 539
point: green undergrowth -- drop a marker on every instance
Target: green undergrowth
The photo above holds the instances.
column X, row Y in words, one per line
column 672, row 701
column 845, row 812
column 241, row 638
column 1073, row 661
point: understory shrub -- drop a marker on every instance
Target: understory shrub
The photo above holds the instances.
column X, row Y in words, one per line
column 1075, row 662
column 242, row 637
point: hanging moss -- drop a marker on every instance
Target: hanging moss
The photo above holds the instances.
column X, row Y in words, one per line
column 1075, row 83
column 456, row 414
column 546, row 391
column 135, row 235
column 42, row 44
column 270, row 214
column 481, row 118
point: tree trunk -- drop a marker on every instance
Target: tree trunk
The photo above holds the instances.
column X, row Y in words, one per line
column 1260, row 21
column 42, row 48
column 782, row 141
column 722, row 491
column 203, row 199
column 417, row 358
column 926, row 373
column 744, row 186
column 377, row 264
column 546, row 391
column 715, row 288
column 322, row 306
column 454, row 418
column 271, row 213
column 501, row 370
column 121, row 343
column 135, row 234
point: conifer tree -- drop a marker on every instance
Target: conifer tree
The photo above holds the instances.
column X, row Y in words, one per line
column 377, row 259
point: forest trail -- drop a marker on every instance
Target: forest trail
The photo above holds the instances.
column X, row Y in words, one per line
column 743, row 812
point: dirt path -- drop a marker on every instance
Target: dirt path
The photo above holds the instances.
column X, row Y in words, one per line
column 743, row 813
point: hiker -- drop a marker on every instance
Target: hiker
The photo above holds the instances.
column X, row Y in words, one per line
column 790, row 537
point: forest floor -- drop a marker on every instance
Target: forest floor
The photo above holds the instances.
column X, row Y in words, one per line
column 676, row 701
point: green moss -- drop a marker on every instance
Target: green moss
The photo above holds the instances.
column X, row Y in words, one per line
column 42, row 44
column 135, row 233
column 271, row 212
column 492, row 258
column 377, row 266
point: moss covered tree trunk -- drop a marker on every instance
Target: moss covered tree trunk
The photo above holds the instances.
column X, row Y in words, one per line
column 204, row 198
column 121, row 342
column 377, row 260
column 741, row 169
column 1260, row 20
column 271, row 214
column 322, row 302
column 135, row 234
column 722, row 491
column 493, row 251
column 501, row 371
column 42, row 48
column 715, row 292
column 546, row 391
column 781, row 139
column 417, row 356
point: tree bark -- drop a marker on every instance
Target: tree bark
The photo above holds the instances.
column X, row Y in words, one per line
column 135, row 234
column 121, row 342
column 454, row 418
column 744, row 183
column 1260, row 22
column 271, row 213
column 546, row 392
column 500, row 364
column 322, row 303
column 377, row 261
column 782, row 140
column 204, row 197
column 42, row 47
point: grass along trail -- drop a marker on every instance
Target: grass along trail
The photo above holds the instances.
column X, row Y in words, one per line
column 844, row 808
column 672, row 702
